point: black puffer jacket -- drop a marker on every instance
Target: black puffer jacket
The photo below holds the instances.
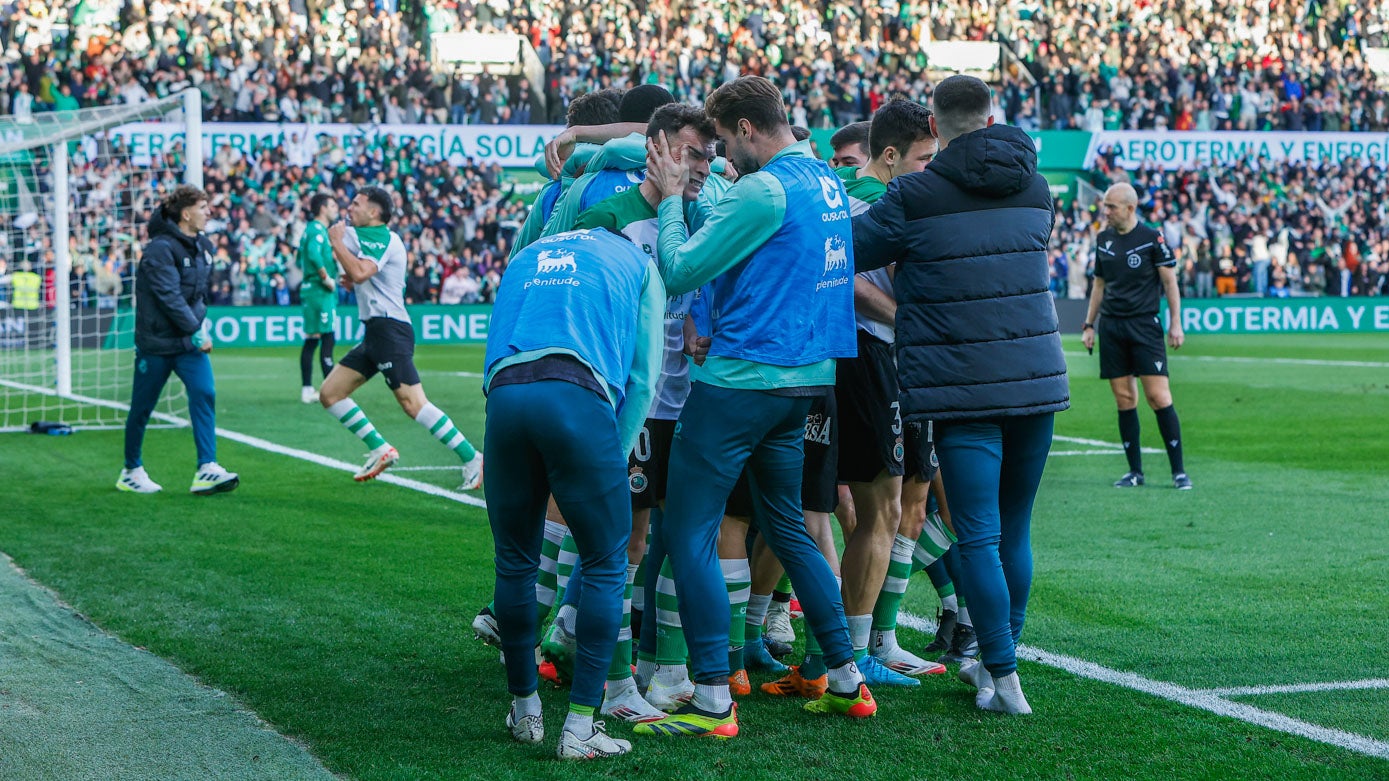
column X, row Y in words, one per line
column 976, row 324
column 171, row 288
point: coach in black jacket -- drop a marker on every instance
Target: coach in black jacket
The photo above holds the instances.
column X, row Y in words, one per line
column 171, row 292
column 978, row 352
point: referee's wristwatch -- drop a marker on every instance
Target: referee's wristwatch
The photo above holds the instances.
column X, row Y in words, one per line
column 1084, row 326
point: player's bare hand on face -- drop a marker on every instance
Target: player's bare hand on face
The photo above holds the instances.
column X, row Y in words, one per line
column 1176, row 337
column 670, row 176
column 337, row 230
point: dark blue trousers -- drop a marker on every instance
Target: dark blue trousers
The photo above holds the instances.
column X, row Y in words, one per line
column 554, row 437
column 151, row 375
column 720, row 430
column 991, row 470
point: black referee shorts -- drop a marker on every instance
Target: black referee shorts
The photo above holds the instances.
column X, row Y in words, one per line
column 388, row 347
column 1131, row 347
column 870, row 426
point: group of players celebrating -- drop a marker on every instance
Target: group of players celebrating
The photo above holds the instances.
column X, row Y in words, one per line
column 707, row 346
column 668, row 253
column 697, row 291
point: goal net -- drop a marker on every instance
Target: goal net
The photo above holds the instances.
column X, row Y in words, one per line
column 76, row 191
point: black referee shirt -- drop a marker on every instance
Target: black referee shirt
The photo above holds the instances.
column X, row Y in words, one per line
column 1128, row 263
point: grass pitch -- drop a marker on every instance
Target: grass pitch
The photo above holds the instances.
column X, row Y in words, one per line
column 339, row 612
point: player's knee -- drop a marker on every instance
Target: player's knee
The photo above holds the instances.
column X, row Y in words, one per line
column 1160, row 399
column 328, row 396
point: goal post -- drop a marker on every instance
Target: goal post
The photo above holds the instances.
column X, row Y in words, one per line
column 76, row 191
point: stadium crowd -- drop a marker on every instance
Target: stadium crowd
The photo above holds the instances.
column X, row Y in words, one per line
column 1241, row 230
column 1177, row 64
column 1288, row 230
column 1221, row 65
column 457, row 222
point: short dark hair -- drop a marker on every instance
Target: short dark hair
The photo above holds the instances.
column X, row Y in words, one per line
column 592, row 108
column 857, row 133
column 181, row 198
column 639, row 103
column 317, row 202
column 378, row 197
column 674, row 117
column 899, row 123
column 962, row 105
column 748, row 97
column 800, row 133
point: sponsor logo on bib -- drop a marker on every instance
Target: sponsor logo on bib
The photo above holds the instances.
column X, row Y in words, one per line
column 556, row 261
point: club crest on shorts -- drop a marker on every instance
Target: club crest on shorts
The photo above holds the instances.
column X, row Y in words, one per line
column 637, row 480
column 1134, row 260
column 899, row 453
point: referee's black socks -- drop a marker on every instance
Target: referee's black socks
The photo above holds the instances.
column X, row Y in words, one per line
column 1171, row 430
column 1128, row 434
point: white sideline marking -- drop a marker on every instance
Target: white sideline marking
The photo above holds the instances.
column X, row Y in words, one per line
column 333, row 463
column 473, row 375
column 453, row 468
column 156, row 415
column 1085, row 453
column 1294, row 361
column 1113, row 446
column 1206, row 700
column 1285, row 361
column 1300, row 688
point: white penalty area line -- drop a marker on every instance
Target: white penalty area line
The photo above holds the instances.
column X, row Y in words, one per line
column 1210, row 700
column 1250, row 359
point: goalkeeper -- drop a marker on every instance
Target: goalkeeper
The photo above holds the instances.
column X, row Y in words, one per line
column 318, row 293
column 171, row 292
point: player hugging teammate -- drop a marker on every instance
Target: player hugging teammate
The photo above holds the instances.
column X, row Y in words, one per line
column 765, row 324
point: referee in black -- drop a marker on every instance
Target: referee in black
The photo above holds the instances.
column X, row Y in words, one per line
column 1134, row 267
